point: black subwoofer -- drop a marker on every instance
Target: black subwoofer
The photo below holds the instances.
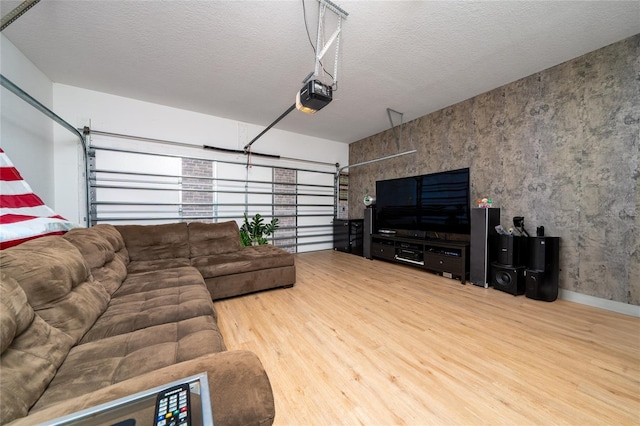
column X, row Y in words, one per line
column 508, row 278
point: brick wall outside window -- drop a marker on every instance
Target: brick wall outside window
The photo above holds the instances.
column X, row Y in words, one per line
column 197, row 168
column 289, row 209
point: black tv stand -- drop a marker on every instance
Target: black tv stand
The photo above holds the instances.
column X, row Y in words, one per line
column 448, row 258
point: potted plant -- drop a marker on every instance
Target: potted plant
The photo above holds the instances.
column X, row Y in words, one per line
column 254, row 232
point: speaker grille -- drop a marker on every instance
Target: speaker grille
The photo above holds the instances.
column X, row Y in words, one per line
column 508, row 279
column 503, row 278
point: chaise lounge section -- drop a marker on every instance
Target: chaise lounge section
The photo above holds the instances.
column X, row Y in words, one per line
column 214, row 249
column 104, row 312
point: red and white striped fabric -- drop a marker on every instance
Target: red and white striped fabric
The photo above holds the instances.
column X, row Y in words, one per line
column 23, row 215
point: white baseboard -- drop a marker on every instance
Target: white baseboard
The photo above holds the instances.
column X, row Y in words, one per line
column 610, row 305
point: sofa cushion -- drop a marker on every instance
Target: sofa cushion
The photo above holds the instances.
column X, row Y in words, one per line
column 253, row 258
column 152, row 242
column 32, row 351
column 16, row 314
column 163, row 278
column 112, row 274
column 154, row 265
column 96, row 244
column 60, row 289
column 207, row 239
column 111, row 234
column 96, row 249
column 249, row 282
column 92, row 366
column 136, row 311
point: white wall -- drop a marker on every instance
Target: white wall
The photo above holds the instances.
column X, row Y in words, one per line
column 26, row 135
column 117, row 114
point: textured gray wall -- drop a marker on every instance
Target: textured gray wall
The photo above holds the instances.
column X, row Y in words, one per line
column 559, row 147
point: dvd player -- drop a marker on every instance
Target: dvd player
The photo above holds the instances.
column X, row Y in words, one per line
column 444, row 251
column 387, row 231
column 409, row 254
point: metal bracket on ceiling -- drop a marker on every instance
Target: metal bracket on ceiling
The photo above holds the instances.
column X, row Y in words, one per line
column 397, row 134
column 17, row 12
column 321, row 49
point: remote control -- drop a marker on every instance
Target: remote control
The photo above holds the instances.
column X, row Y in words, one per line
column 173, row 407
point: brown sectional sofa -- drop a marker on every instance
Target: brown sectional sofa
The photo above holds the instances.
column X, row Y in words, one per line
column 104, row 312
column 215, row 251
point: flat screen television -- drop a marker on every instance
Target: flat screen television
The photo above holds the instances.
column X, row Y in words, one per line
column 436, row 202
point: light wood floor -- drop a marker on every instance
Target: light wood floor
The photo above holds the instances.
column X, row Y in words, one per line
column 369, row 342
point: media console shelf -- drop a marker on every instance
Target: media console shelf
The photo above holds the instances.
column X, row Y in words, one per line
column 449, row 258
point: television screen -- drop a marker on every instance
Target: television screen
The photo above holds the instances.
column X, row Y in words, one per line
column 437, row 202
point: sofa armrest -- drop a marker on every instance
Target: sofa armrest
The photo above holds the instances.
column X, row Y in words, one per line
column 238, row 385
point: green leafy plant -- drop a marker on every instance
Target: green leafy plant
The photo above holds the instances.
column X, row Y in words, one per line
column 255, row 231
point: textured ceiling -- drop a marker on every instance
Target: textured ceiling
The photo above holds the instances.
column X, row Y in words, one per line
column 245, row 60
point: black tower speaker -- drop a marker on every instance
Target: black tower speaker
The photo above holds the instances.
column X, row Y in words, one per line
column 369, row 228
column 482, row 251
column 508, row 278
column 512, row 251
column 541, row 277
column 544, row 253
